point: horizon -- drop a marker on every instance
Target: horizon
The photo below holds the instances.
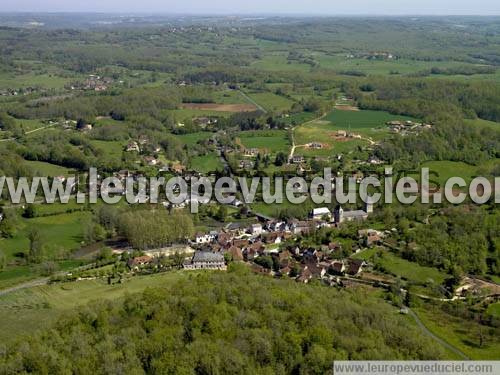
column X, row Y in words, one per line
column 259, row 7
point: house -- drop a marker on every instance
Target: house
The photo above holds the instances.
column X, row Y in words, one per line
column 273, row 238
column 246, row 164
column 337, row 268
column 355, row 266
column 150, row 160
column 320, row 213
column 256, row 229
column 370, row 237
column 139, row 262
column 236, row 253
column 315, row 145
column 305, row 276
column 341, row 133
column 178, row 168
column 300, row 227
column 250, row 152
column 224, row 238
column 133, row 147
column 204, row 260
column 296, row 159
column 203, row 238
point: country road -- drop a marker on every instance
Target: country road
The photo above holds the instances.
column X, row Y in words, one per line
column 436, row 338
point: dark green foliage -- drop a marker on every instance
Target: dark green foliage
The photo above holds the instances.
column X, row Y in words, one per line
column 232, row 323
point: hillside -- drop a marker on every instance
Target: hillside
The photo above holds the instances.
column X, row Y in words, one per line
column 235, row 323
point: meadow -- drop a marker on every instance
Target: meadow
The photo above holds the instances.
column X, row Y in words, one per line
column 271, row 102
column 462, row 334
column 28, row 310
column 267, row 141
column 206, row 163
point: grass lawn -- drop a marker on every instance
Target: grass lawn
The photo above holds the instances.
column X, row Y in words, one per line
column 279, row 62
column 112, row 149
column 463, row 334
column 193, row 138
column 206, row 163
column 271, row 102
column 359, row 120
column 49, row 170
column 27, row 310
column 270, row 141
column 400, row 267
column 60, row 233
column 484, row 123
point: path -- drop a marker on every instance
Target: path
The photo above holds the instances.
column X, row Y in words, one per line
column 436, row 338
column 294, row 146
column 261, row 108
column 28, row 284
column 30, row 132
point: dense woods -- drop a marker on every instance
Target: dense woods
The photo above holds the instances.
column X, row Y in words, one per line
column 227, row 324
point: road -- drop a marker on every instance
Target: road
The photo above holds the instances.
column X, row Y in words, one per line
column 436, row 338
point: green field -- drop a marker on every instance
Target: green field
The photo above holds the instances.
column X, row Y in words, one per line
column 360, row 120
column 271, row 102
column 462, row 334
column 269, row 141
column 402, row 268
column 61, row 233
column 279, row 62
column 27, row 310
column 47, row 169
column 206, row 163
column 193, row 138
column 494, row 310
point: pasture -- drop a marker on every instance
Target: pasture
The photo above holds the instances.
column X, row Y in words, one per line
column 28, row 310
column 267, row 141
column 271, row 102
column 193, row 138
column 41, row 168
column 206, row 163
column 60, row 234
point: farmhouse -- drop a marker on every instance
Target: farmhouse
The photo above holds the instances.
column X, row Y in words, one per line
column 320, row 213
column 139, row 262
column 203, row 260
column 133, row 146
column 298, row 159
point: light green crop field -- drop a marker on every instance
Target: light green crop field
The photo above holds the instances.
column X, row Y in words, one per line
column 59, row 233
column 279, row 62
column 484, row 123
column 359, row 120
column 112, row 149
column 185, row 114
column 271, row 102
column 47, row 81
column 462, row 334
column 405, row 269
column 193, row 138
column 42, row 168
column 270, row 141
column 28, row 310
column 206, row 163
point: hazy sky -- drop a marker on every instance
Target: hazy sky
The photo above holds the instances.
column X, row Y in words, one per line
column 325, row 7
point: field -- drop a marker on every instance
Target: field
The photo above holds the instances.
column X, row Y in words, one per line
column 234, row 108
column 28, row 310
column 269, row 141
column 271, row 102
column 368, row 126
column 206, row 163
column 402, row 268
column 49, row 170
column 60, row 233
column 463, row 334
column 193, row 138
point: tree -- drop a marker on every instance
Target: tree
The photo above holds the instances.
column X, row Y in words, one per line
column 280, row 159
column 36, row 244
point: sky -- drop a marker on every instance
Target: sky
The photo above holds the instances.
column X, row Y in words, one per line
column 317, row 7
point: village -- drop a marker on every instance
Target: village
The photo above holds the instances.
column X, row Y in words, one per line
column 268, row 248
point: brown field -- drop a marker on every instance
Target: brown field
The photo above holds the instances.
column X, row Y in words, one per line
column 220, row 107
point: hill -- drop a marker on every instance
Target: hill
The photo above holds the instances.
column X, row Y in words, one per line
column 233, row 322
